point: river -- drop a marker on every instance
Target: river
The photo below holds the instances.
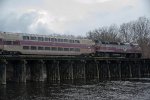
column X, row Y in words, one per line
column 104, row 90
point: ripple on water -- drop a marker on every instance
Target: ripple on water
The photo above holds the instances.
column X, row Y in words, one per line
column 107, row 90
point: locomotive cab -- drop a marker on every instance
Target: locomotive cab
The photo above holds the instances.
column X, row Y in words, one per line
column 116, row 49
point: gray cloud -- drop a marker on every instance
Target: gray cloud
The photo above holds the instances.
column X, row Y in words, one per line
column 25, row 22
column 147, row 3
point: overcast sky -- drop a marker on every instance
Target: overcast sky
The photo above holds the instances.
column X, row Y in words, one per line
column 68, row 16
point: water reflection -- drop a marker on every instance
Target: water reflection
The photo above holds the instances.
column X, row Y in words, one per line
column 92, row 90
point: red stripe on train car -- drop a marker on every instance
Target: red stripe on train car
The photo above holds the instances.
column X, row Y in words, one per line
column 36, row 43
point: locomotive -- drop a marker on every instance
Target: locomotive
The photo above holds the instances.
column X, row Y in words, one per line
column 33, row 44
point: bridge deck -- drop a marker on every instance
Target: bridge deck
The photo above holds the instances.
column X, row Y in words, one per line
column 44, row 57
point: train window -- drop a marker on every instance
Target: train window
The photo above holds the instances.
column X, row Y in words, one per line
column 105, row 42
column 26, row 47
column 131, row 44
column 33, row 48
column 16, row 42
column 47, row 39
column 8, row 42
column 59, row 40
column 66, row 49
column 96, row 41
column 25, row 37
column 77, row 49
column 54, row 49
column 77, row 41
column 71, row 49
column 33, row 38
column 40, row 38
column 40, row 48
column 1, row 41
column 47, row 48
column 127, row 44
column 122, row 44
column 71, row 41
column 60, row 49
column 62, row 40
column 53, row 39
column 114, row 43
column 65, row 40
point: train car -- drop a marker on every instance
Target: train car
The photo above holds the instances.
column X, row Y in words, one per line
column 9, row 43
column 17, row 43
column 115, row 49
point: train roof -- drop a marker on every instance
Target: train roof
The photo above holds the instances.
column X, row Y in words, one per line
column 45, row 35
column 116, row 43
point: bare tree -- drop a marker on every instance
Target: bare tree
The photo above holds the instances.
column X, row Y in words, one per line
column 104, row 34
column 113, row 33
column 142, row 30
column 126, row 33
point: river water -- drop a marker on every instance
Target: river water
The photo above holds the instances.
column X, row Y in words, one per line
column 104, row 90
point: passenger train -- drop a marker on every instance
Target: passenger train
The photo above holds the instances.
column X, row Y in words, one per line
column 33, row 44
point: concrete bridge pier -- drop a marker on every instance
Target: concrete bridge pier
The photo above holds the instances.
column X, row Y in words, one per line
column 125, row 69
column 108, row 65
column 71, row 73
column 83, row 70
column 37, row 70
column 66, row 70
column 79, row 70
column 114, row 69
column 20, row 71
column 144, row 70
column 134, row 69
column 49, row 65
column 139, row 69
column 103, row 72
column 97, row 69
column 3, row 71
column 52, row 70
column 92, row 70
column 120, row 71
column 130, row 70
column 57, row 70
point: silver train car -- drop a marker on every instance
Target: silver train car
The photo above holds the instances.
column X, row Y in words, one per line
column 17, row 43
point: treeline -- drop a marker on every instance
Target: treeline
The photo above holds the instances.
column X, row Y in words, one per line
column 137, row 31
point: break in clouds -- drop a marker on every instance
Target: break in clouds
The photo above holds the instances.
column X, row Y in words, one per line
column 68, row 16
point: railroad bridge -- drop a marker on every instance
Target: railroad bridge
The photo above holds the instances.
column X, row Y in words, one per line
column 22, row 68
